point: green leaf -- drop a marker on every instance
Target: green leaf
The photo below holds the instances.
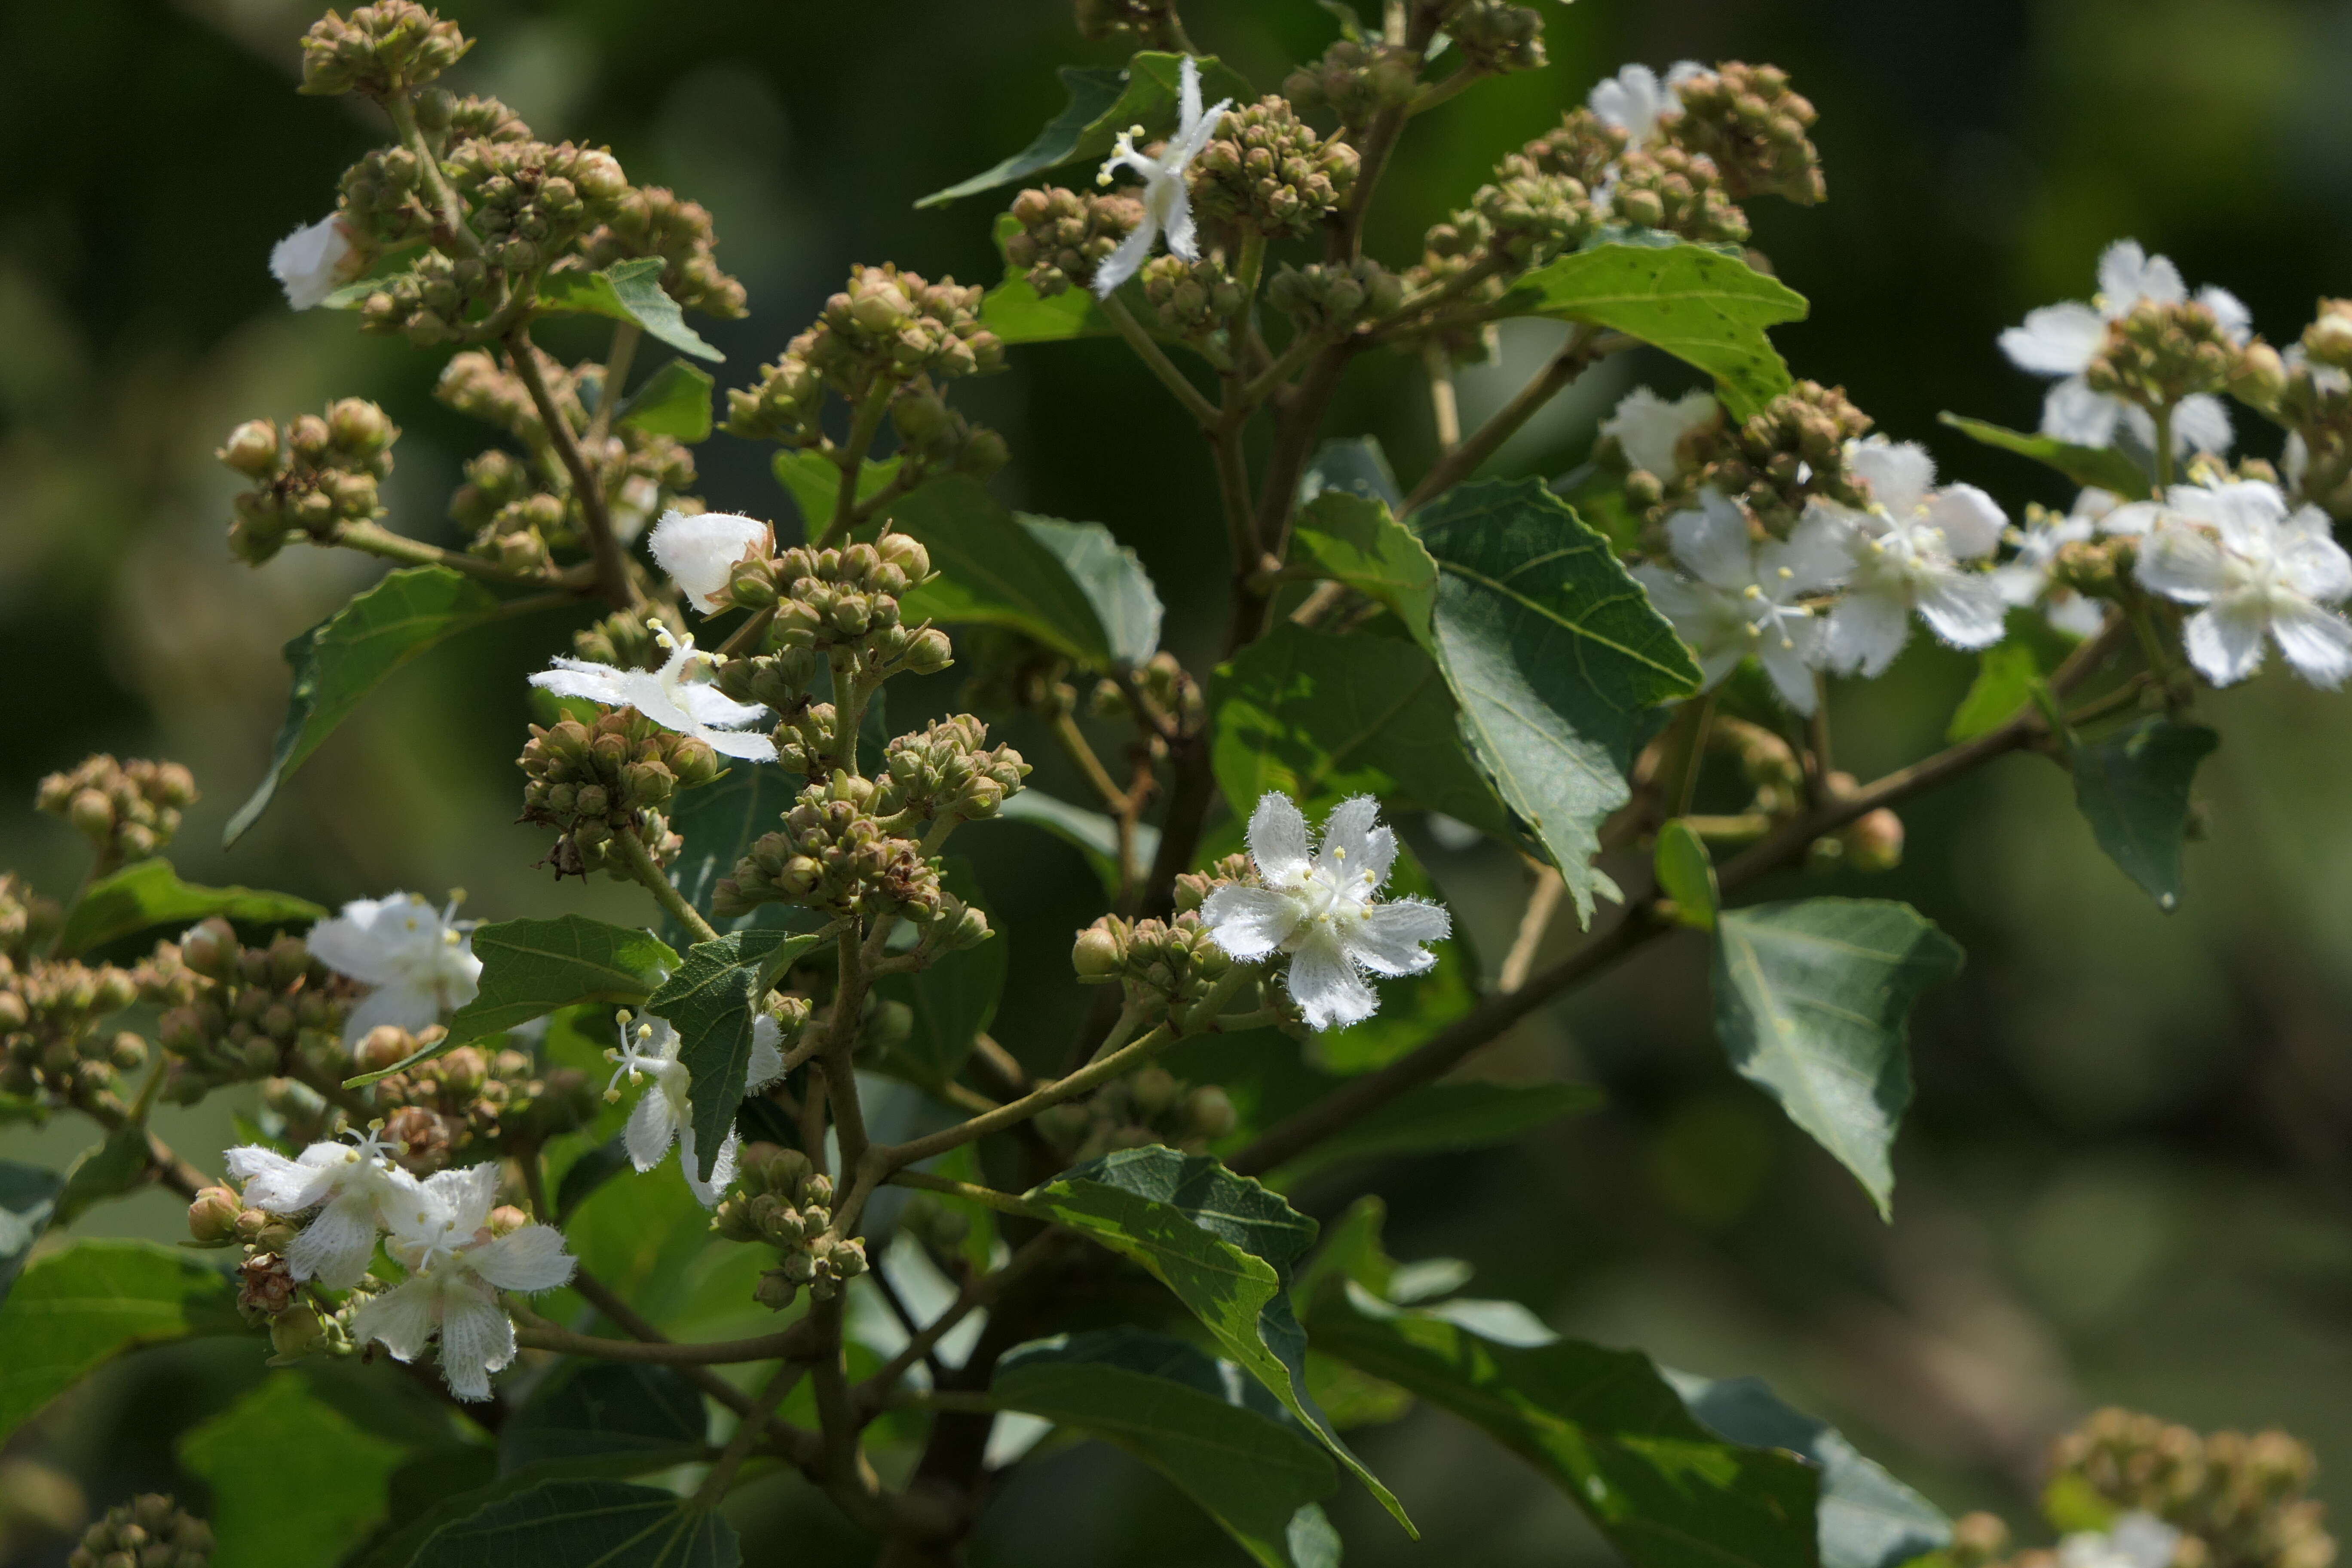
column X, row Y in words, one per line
column 2007, row 673
column 719, row 823
column 346, row 655
column 2133, row 788
column 1016, row 313
column 620, row 1417
column 1355, row 465
column 952, row 1001
column 626, row 291
column 1354, row 541
column 713, row 1001
column 2100, row 468
column 1315, row 715
column 105, row 1170
column 1442, row 1118
column 1811, row 999
column 1600, row 1425
column 991, row 569
column 150, row 893
column 674, row 401
column 1224, row 1245
column 75, row 1309
column 1102, row 104
column 530, row 968
column 1686, row 875
column 292, row 1479
column 1705, row 308
column 813, row 481
column 1090, row 832
column 1223, row 1441
column 28, row 1200
column 584, row 1524
column 1555, row 654
column 1113, row 580
column 1868, row 1518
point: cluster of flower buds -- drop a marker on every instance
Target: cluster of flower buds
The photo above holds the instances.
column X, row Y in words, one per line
column 434, row 303
column 947, row 769
column 848, row 600
column 1583, row 146
column 149, row 1532
column 1329, row 300
column 1172, row 698
column 1148, row 1106
column 128, row 811
column 380, row 49
column 592, row 780
column 1270, row 173
column 1778, row 460
column 468, row 1099
column 385, row 204
column 1671, row 188
column 2239, row 1501
column 1065, row 235
column 623, row 639
column 2160, row 353
column 935, row 439
column 1152, row 20
column 1192, row 300
column 653, row 221
column 779, row 1200
column 2310, row 393
column 319, row 473
column 1530, row 216
column 1356, row 80
column 50, row 1009
column 1498, row 36
column 528, row 200
column 266, row 1290
column 1753, row 126
column 233, row 1012
column 834, row 854
column 1172, row 962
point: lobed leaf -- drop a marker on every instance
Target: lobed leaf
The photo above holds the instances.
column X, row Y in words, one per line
column 1705, row 308
column 711, row 1001
column 626, row 291
column 343, row 657
column 1223, row 1440
column 75, row 1309
column 1555, row 654
column 1811, row 999
column 1353, row 539
column 292, row 1479
column 2133, row 788
column 674, row 401
column 2100, row 468
column 571, row 1523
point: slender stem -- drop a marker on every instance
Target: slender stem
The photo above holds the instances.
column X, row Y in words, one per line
column 976, row 1293
column 1694, row 756
column 1641, row 920
column 1438, row 92
column 1543, row 903
column 1295, row 353
column 170, row 1169
column 625, row 338
column 850, row 458
column 640, row 862
column 612, row 562
column 987, row 1197
column 747, row 1432
column 1443, row 407
column 376, row 540
column 1817, row 735
column 1202, row 411
column 1073, row 742
column 1013, row 1078
column 1585, row 345
column 538, row 1334
column 449, row 213
column 837, row 1421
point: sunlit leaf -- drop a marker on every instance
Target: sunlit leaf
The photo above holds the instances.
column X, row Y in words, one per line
column 626, row 291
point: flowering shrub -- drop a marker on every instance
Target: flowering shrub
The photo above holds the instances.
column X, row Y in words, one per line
column 924, row 1225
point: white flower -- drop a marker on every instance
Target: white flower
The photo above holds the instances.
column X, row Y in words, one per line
column 700, row 551
column 1637, row 102
column 420, row 960
column 358, row 1191
column 314, row 261
column 678, row 696
column 1321, row 911
column 1649, row 430
column 2062, row 340
column 1166, row 201
column 1745, row 598
column 2257, row 569
column 456, row 1269
column 2134, row 1540
column 664, row 1114
column 1905, row 554
column 2025, row 579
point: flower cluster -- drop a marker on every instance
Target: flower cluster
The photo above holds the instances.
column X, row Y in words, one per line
column 128, row 811
column 233, row 1013
column 51, row 1009
column 679, row 697
column 945, row 769
column 621, row 772
column 1064, row 237
column 151, row 1531
column 468, row 1101
column 779, row 1200
column 651, row 220
column 1165, row 967
column 419, row 961
column 321, row 473
column 379, row 50
column 834, row 853
column 1267, row 172
column 1148, row 1106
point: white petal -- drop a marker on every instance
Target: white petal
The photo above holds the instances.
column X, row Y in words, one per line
column 477, row 1339
column 1188, row 93
column 751, row 745
column 1866, row 632
column 2317, row 642
column 401, row 1319
column 2237, row 321
column 1819, row 552
column 2056, row 340
column 530, row 1258
column 2182, row 562
column 1649, row 430
column 1326, row 987
column 399, row 1003
column 1972, row 521
column 277, row 1184
column 466, row 1196
column 1964, row 608
column 336, row 1247
column 2314, row 564
column 699, row 551
column 2074, row 413
column 1348, row 838
column 653, row 1127
column 1128, row 259
column 1249, row 922
column 1389, row 941
column 2144, row 1539
column 1899, row 471
column 1712, row 541
column 578, row 677
column 722, row 1169
column 2225, row 645
column 767, row 1053
column 706, row 704
column 313, row 261
column 2201, row 423
column 1277, row 837
column 2131, row 518
column 1788, row 659
column 1183, row 239
column 2128, row 274
column 2073, row 614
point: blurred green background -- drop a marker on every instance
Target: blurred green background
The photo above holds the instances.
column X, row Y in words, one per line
column 2128, row 1176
